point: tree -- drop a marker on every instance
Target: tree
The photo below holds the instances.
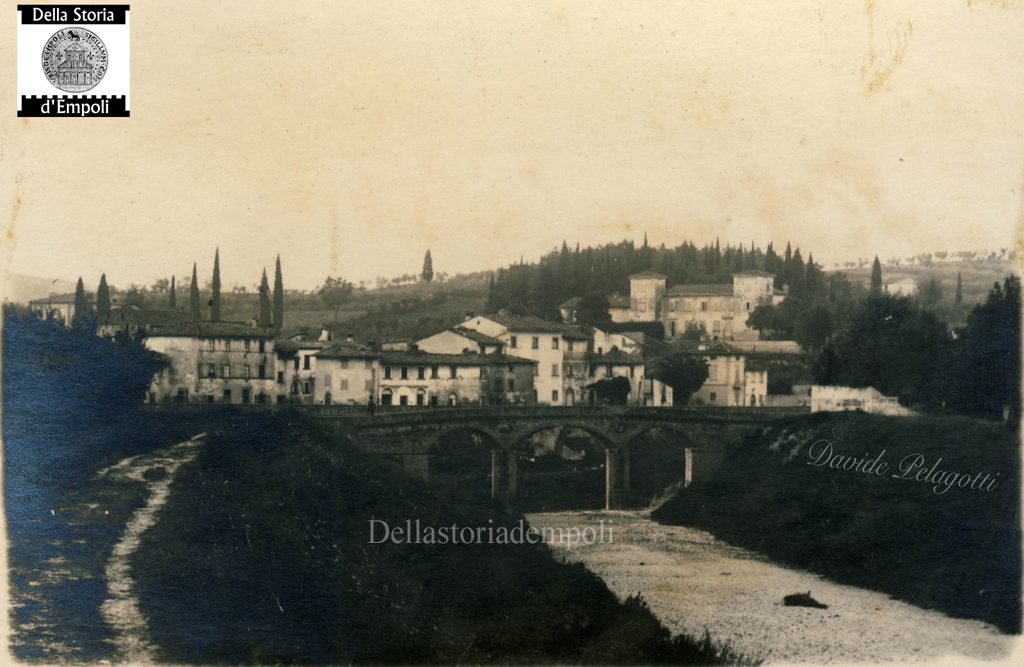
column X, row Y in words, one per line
column 613, row 391
column 278, row 313
column 103, row 298
column 172, row 300
column 193, row 296
column 984, row 378
column 893, row 345
column 81, row 315
column 428, row 270
column 265, row 310
column 813, row 327
column 215, row 297
column 685, row 373
column 593, row 309
column 334, row 293
column 876, row 277
column 958, row 299
column 931, row 293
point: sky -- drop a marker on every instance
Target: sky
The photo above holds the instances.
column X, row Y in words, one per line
column 350, row 137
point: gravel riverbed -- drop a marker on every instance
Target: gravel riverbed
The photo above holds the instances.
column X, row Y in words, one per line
column 694, row 582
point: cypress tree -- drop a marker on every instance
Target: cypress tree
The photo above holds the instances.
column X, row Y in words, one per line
column 876, row 277
column 81, row 305
column 278, row 297
column 194, row 294
column 428, row 270
column 215, row 297
column 959, row 297
column 265, row 315
column 172, row 300
column 103, row 298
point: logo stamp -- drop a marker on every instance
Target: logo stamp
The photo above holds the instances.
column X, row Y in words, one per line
column 74, row 59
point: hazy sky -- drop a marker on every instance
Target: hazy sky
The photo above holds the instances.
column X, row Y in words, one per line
column 352, row 136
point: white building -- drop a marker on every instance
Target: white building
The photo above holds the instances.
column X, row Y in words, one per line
column 844, row 399
column 902, row 287
column 61, row 307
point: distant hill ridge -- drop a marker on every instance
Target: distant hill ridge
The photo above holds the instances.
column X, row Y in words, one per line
column 19, row 288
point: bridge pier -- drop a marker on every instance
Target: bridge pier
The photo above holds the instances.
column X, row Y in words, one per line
column 504, row 471
column 616, row 477
column 688, row 468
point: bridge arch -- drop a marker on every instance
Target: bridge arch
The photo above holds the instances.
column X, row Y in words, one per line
column 606, row 440
column 687, row 435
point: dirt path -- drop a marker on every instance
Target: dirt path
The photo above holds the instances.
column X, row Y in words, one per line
column 693, row 582
column 121, row 608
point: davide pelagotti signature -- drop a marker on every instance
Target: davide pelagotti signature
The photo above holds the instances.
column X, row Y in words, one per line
column 915, row 467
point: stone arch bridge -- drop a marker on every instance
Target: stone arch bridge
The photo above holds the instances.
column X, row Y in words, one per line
column 410, row 434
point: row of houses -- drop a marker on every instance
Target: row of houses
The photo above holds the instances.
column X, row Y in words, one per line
column 483, row 360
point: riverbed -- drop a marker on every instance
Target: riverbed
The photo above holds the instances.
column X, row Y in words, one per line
column 695, row 583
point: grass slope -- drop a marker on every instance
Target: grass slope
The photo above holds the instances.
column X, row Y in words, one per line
column 958, row 552
column 263, row 555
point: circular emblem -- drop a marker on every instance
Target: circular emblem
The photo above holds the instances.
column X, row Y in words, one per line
column 74, row 59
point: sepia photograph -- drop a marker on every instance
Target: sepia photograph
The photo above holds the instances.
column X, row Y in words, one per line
column 534, row 332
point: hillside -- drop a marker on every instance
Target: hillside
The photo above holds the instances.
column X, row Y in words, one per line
column 978, row 275
column 20, row 288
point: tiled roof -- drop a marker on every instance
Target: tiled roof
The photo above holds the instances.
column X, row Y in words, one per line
column 475, row 336
column 615, row 357
column 700, row 290
column 571, row 303
column 618, row 301
column 212, row 330
column 648, row 274
column 752, row 272
column 346, row 350
column 292, row 346
column 150, row 318
column 528, row 324
column 711, row 348
column 412, row 357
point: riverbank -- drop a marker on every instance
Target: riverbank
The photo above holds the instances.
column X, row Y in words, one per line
column 695, row 583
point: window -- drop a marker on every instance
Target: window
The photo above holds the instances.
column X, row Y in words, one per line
column 511, row 384
column 295, row 363
column 608, row 370
column 327, row 380
column 246, row 371
column 554, row 395
column 748, row 305
column 713, row 397
column 672, row 328
column 554, row 343
column 369, row 363
column 703, row 305
column 343, row 363
column 225, row 371
column 227, row 344
column 368, row 385
column 343, row 384
column 305, row 361
column 280, row 376
column 513, row 342
column 421, row 397
column 433, row 399
column 570, row 343
column 385, row 397
column 263, row 346
column 405, row 372
column 535, row 342
column 433, row 372
column 387, row 372
column 421, row 373
column 227, row 395
column 554, row 370
column 403, row 400
column 262, row 398
column 632, row 371
column 211, row 371
column 262, row 372
column 306, row 387
column 210, row 345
